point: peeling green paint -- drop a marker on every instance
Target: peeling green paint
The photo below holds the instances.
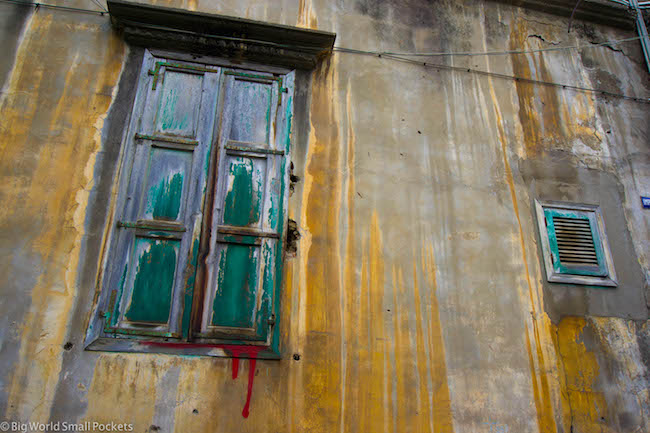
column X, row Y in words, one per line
column 113, row 313
column 243, row 202
column 275, row 208
column 164, row 201
column 234, row 301
column 154, row 280
column 289, row 114
column 169, row 121
column 277, row 276
column 267, row 288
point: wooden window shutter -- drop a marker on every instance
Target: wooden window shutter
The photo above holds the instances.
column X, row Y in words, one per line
column 154, row 248
column 575, row 243
column 245, row 253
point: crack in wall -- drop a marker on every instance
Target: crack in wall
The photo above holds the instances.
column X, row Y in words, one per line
column 541, row 38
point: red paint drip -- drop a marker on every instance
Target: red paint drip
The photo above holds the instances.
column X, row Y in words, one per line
column 235, row 367
column 235, row 351
column 249, row 352
column 251, row 376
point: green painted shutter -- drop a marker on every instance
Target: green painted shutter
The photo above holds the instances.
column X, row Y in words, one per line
column 151, row 263
column 575, row 244
column 244, row 261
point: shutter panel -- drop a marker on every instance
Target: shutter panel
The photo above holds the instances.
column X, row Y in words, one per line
column 153, row 253
column 575, row 245
column 243, row 264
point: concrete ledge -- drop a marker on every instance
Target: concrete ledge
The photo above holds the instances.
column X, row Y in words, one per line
column 237, row 38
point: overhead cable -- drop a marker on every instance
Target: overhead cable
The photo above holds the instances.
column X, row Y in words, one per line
column 518, row 79
column 406, row 60
column 101, row 6
column 403, row 57
column 488, row 53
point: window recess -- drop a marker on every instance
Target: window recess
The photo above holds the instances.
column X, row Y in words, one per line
column 193, row 260
column 574, row 244
column 204, row 174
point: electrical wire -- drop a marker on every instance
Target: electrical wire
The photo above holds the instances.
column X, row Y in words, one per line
column 401, row 57
column 519, row 79
column 489, row 53
column 383, row 53
column 100, row 5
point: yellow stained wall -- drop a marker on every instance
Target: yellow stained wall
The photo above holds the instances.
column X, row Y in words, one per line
column 415, row 299
column 52, row 116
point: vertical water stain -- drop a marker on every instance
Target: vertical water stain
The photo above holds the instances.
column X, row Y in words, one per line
column 350, row 302
column 372, row 341
column 538, row 105
column 49, row 151
column 306, row 16
column 441, row 401
column 537, row 355
column 421, row 359
column 321, row 373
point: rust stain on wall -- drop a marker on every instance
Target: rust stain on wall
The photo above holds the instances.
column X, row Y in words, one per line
column 441, row 400
column 371, row 341
column 535, row 127
column 537, row 344
column 350, row 392
column 550, row 120
column 426, row 422
column 321, row 371
column 587, row 407
column 398, row 369
column 306, row 15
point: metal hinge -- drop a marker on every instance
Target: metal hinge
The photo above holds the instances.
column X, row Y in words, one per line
column 272, row 320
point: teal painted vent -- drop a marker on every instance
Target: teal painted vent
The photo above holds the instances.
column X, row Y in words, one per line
column 574, row 244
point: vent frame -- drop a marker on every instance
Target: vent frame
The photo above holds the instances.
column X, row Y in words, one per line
column 598, row 269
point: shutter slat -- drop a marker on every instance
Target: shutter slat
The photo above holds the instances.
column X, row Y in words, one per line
column 571, row 244
column 572, row 248
column 582, row 263
column 576, row 238
column 575, row 241
column 578, row 258
column 577, row 251
column 572, row 230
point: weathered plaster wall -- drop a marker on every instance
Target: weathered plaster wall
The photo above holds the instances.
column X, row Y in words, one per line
column 416, row 299
column 12, row 23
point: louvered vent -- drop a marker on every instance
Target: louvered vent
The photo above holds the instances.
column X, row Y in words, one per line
column 575, row 242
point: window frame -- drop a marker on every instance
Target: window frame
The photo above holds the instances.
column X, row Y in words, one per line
column 99, row 336
column 223, row 41
column 556, row 272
